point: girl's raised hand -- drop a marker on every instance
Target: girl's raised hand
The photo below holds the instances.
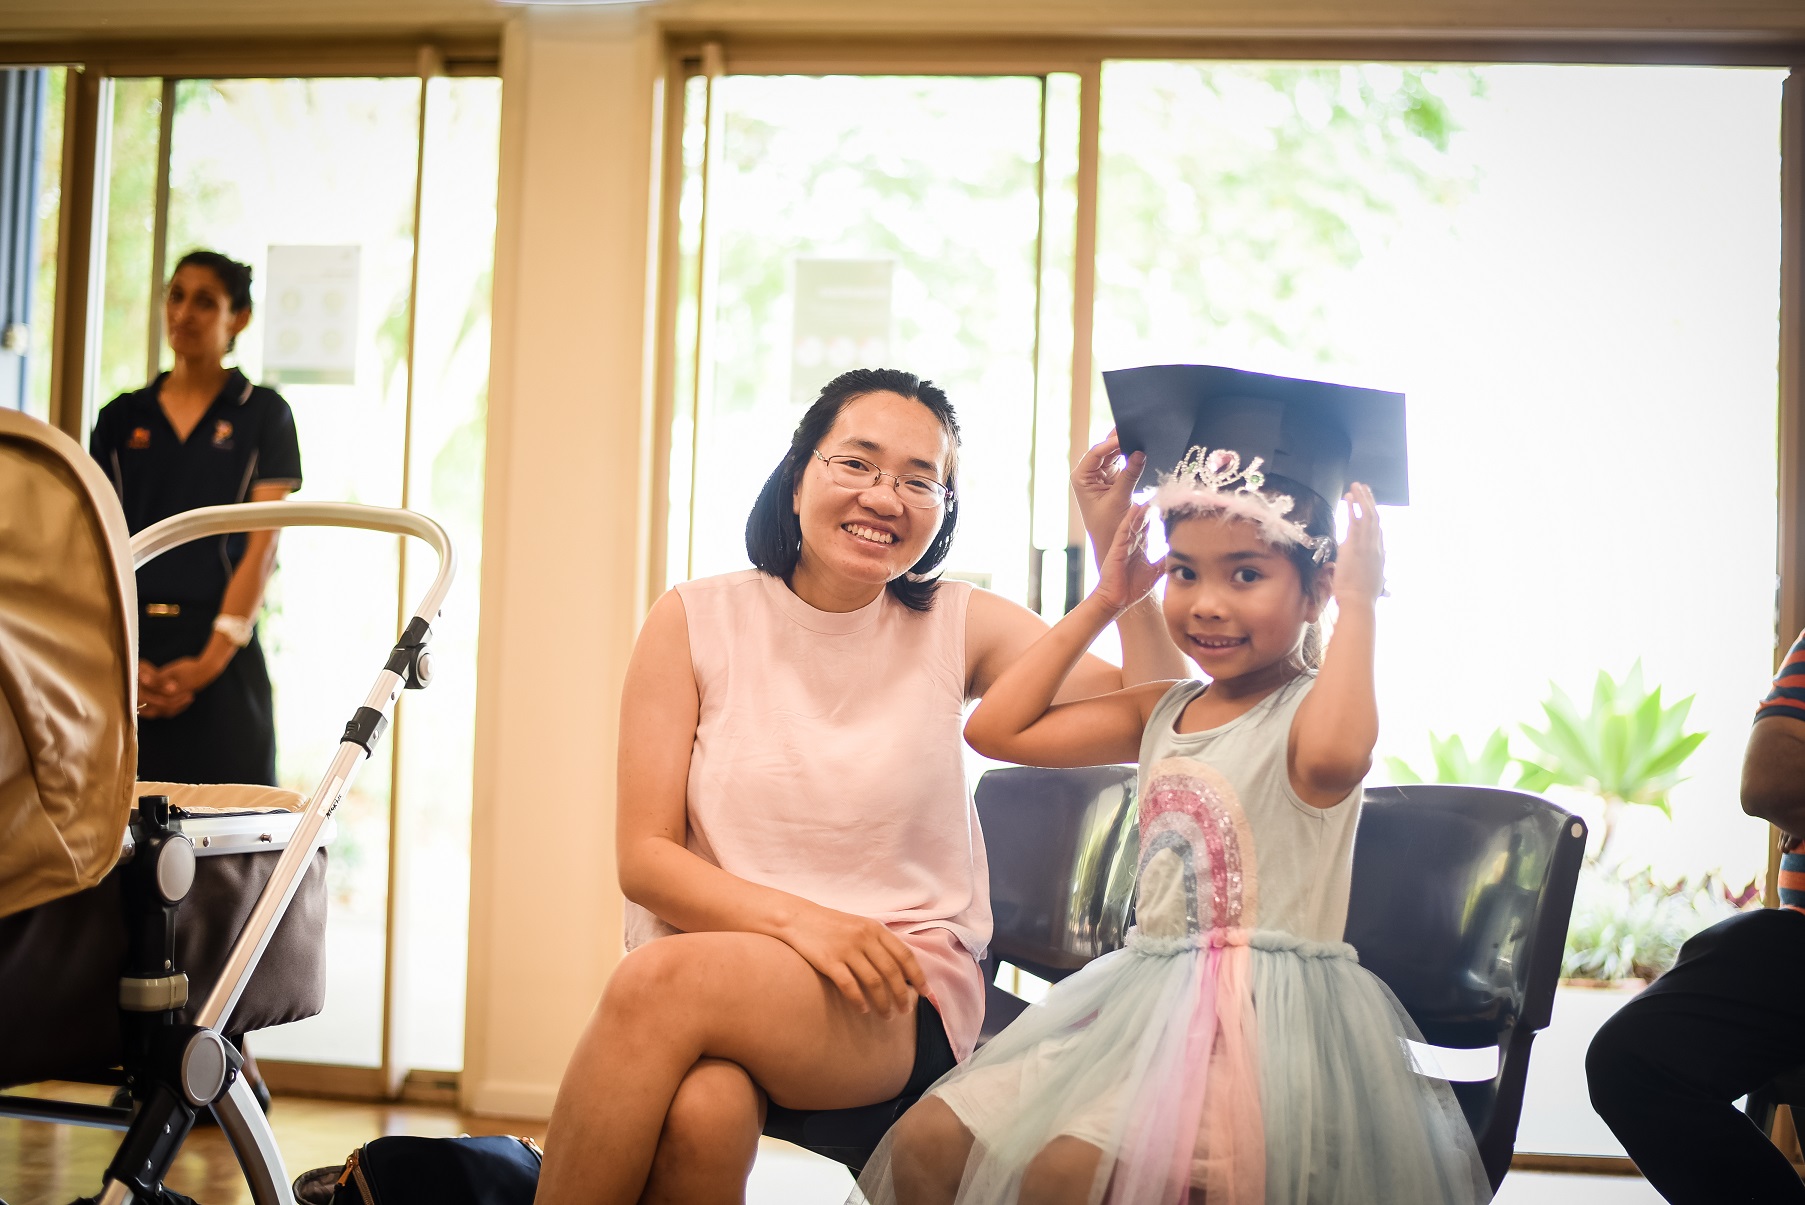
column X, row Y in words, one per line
column 1126, row 575
column 1360, row 565
column 1102, row 482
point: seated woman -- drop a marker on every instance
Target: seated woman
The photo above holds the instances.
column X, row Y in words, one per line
column 794, row 825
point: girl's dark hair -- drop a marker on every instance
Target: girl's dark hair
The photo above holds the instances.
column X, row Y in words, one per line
column 773, row 534
column 1316, row 515
column 236, row 278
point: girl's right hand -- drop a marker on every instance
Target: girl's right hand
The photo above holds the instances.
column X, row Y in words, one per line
column 1126, row 575
column 1102, row 482
column 871, row 966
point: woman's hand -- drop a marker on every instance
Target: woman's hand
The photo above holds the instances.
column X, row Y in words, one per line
column 1102, row 482
column 1360, row 564
column 158, row 697
column 870, row 965
column 1126, row 575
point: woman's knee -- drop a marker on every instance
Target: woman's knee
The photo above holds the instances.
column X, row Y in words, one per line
column 1617, row 1064
column 714, row 1118
column 647, row 980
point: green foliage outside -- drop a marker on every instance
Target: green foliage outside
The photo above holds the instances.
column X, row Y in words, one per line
column 1627, row 748
column 1631, row 925
column 1454, row 764
column 1236, row 200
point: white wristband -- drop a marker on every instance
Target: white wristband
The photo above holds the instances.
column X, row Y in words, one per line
column 235, row 628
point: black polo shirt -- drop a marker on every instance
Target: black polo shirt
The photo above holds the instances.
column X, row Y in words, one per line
column 246, row 438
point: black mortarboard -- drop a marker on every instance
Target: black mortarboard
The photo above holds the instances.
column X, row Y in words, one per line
column 1315, row 433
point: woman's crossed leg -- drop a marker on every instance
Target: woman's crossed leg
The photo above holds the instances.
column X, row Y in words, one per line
column 664, row 1095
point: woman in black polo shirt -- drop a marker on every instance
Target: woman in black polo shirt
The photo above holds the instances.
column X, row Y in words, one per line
column 202, row 435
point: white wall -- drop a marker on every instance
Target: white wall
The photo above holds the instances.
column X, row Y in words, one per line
column 564, row 522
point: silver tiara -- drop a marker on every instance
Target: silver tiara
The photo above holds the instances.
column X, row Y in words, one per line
column 1215, row 481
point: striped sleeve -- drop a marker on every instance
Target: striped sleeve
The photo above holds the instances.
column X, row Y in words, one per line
column 1792, row 878
column 1787, row 698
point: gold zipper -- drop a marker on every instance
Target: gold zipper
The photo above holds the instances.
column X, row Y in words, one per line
column 363, row 1185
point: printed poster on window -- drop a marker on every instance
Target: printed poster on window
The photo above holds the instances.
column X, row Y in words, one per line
column 310, row 315
column 842, row 321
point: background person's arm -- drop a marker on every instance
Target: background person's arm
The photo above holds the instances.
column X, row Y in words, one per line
column 660, row 708
column 176, row 683
column 1773, row 773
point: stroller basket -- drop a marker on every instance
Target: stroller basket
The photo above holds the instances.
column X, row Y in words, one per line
column 144, row 945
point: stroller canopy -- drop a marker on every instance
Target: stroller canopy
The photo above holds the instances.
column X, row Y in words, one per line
column 68, row 669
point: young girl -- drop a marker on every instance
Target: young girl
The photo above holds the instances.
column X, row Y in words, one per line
column 1235, row 1051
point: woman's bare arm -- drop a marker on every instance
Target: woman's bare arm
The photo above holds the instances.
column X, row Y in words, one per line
column 659, row 712
column 172, row 687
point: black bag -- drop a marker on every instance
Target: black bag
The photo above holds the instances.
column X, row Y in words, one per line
column 405, row 1170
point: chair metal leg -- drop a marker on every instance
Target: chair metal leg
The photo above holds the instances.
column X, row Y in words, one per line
column 252, row 1141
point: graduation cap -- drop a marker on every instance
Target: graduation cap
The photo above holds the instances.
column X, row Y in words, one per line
column 1318, row 434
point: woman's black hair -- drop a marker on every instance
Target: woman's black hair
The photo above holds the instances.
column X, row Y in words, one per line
column 236, row 278
column 1316, row 515
column 773, row 533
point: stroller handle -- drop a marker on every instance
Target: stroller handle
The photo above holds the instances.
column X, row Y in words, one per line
column 407, row 668
column 178, row 529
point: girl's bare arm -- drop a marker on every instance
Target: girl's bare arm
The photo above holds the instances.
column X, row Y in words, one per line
column 1337, row 724
column 1018, row 720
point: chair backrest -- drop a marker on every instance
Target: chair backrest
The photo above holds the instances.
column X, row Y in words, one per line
column 1063, row 848
column 1460, row 902
column 68, row 667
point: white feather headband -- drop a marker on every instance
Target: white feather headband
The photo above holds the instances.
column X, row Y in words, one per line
column 1215, row 481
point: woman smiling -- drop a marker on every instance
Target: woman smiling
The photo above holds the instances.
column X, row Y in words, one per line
column 806, row 879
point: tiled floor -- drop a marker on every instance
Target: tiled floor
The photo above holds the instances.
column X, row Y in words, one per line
column 52, row 1165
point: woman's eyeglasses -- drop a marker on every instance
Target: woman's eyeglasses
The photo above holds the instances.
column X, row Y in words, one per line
column 857, row 473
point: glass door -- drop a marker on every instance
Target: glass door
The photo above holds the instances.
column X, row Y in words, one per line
column 1572, row 272
column 869, row 221
column 366, row 210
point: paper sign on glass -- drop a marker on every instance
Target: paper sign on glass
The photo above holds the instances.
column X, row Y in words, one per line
column 310, row 315
column 842, row 321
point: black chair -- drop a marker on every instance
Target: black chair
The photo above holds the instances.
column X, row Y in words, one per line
column 1460, row 902
column 1786, row 1089
column 1461, row 897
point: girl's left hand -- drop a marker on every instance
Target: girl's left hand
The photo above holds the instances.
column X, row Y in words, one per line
column 1360, row 564
column 1126, row 575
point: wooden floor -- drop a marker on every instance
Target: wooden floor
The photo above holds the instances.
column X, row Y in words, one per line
column 53, row 1165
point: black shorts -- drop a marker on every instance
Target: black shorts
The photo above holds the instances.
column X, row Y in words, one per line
column 850, row 1135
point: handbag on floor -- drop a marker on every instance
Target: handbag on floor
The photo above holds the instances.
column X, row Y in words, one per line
column 406, row 1170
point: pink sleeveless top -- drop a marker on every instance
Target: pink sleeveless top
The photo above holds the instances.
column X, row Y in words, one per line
column 828, row 764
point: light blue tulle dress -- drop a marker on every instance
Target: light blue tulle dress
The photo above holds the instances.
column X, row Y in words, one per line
column 1235, row 1052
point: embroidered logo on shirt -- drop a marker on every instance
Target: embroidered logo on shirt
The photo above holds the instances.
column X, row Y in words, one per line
column 140, row 438
column 222, row 434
